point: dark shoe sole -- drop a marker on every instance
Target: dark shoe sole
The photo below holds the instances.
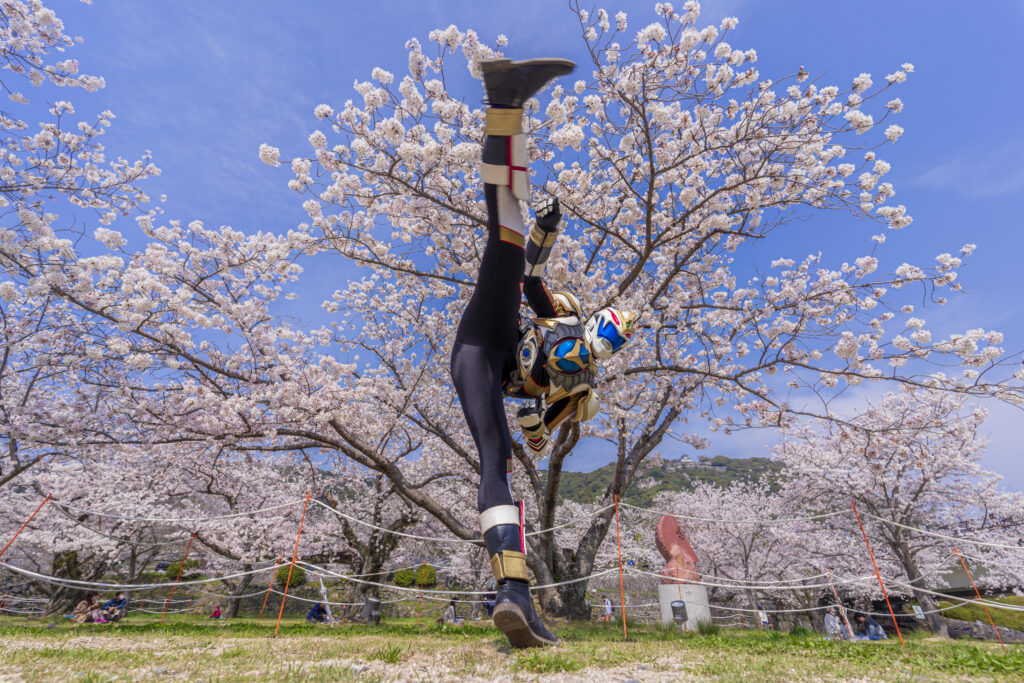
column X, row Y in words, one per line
column 511, row 621
column 493, row 65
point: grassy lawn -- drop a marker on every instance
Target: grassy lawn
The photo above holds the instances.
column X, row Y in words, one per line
column 196, row 649
column 1001, row 617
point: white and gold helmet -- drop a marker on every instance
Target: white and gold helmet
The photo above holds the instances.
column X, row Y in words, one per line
column 608, row 331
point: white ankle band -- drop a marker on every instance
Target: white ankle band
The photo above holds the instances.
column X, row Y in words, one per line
column 498, row 515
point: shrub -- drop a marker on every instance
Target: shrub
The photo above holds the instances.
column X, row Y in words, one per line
column 425, row 575
column 801, row 631
column 298, row 576
column 172, row 570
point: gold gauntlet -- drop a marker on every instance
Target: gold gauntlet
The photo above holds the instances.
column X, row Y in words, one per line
column 504, row 121
column 509, row 564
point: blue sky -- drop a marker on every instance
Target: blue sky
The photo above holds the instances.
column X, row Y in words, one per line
column 202, row 84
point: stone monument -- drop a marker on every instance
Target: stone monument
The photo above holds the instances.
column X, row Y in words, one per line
column 679, row 577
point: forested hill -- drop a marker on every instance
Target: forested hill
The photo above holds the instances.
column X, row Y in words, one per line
column 656, row 475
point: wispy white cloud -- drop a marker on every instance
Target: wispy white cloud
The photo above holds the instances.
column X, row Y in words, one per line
column 990, row 172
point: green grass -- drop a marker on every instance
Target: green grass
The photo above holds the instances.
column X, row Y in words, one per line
column 242, row 650
column 1001, row 617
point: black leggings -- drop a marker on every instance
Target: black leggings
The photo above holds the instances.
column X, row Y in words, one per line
column 484, row 351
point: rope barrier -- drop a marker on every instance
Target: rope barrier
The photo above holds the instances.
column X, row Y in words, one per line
column 960, row 539
column 20, row 599
column 19, row 611
column 127, row 541
column 982, row 603
column 990, row 563
column 73, row 583
column 758, row 587
column 435, row 539
column 779, row 520
column 331, row 602
column 428, row 590
column 175, row 520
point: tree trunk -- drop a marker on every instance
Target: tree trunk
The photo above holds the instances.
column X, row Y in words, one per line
column 63, row 600
column 235, row 603
column 568, row 601
column 932, row 618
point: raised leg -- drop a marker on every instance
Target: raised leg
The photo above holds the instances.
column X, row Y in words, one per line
column 487, row 334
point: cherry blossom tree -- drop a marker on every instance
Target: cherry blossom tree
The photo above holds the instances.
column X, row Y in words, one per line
column 910, row 461
column 673, row 158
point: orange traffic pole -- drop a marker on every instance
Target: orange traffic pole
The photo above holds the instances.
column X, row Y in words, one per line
column 976, row 593
column 270, row 586
column 292, row 565
column 176, row 578
column 878, row 574
column 24, row 525
column 622, row 587
column 839, row 604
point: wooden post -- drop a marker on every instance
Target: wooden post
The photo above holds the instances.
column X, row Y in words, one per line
column 270, row 586
column 839, row 604
column 976, row 593
column 419, row 597
column 24, row 525
column 878, row 574
column 181, row 567
column 295, row 552
column 622, row 588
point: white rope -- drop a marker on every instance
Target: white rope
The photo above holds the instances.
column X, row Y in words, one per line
column 227, row 597
column 331, row 602
column 754, row 581
column 174, row 520
column 595, row 513
column 20, row 611
column 126, row 586
column 757, row 587
column 5, row 598
column 959, row 539
column 137, row 544
column 449, row 592
column 779, row 520
column 435, row 539
column 991, row 563
column 779, row 611
column 983, row 603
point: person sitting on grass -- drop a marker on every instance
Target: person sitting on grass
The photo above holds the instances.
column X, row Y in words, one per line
column 114, row 608
column 88, row 610
column 869, row 628
column 834, row 625
column 317, row 613
column 449, row 614
column 216, row 613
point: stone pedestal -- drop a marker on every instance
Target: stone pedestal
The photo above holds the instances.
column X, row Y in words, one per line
column 693, row 594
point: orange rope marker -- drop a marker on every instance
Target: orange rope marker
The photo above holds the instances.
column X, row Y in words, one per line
column 622, row 588
column 978, row 595
column 181, row 567
column 292, row 565
column 872, row 554
column 24, row 525
column 270, row 586
column 839, row 604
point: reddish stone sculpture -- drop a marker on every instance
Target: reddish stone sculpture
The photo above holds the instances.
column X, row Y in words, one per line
column 681, row 561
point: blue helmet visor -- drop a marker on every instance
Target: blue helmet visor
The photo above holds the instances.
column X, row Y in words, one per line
column 608, row 332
